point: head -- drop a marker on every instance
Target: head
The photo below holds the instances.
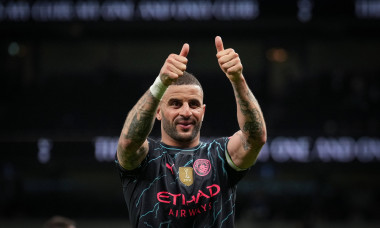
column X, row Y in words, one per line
column 181, row 112
column 59, row 222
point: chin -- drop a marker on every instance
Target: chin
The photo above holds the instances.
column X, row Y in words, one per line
column 189, row 137
column 186, row 139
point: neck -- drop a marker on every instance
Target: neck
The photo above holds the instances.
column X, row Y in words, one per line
column 175, row 143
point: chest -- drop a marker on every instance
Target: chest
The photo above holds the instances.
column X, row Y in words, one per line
column 189, row 172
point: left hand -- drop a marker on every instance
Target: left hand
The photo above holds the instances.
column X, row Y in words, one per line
column 228, row 60
column 174, row 66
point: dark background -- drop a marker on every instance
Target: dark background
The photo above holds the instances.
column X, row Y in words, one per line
column 66, row 83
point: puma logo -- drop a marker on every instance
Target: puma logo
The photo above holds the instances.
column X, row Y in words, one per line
column 170, row 167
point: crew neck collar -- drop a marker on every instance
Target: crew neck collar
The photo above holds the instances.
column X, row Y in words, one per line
column 180, row 148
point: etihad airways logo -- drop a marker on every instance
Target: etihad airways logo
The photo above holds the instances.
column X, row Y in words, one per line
column 172, row 198
column 181, row 199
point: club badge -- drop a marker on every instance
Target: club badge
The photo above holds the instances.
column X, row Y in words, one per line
column 202, row 167
column 186, row 175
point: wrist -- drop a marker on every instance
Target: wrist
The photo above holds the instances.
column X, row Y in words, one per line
column 158, row 88
column 236, row 78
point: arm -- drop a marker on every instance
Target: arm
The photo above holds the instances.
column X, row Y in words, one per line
column 133, row 145
column 245, row 145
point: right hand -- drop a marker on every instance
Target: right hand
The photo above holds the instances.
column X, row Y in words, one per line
column 228, row 60
column 174, row 66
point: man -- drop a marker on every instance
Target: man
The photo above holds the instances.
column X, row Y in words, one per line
column 181, row 181
column 59, row 222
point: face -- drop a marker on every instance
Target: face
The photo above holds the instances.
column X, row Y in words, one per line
column 181, row 113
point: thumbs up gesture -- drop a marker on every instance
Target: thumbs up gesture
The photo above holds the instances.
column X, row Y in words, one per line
column 228, row 60
column 174, row 66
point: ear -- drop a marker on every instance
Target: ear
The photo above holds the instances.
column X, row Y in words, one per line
column 204, row 111
column 158, row 114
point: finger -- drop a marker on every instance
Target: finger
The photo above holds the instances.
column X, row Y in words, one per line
column 176, row 59
column 232, row 63
column 177, row 69
column 235, row 69
column 173, row 76
column 169, row 75
column 226, row 56
column 185, row 50
column 219, row 44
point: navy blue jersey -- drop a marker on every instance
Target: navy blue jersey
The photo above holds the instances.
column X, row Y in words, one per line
column 175, row 187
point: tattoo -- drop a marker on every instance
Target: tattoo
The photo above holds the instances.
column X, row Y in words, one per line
column 131, row 159
column 139, row 122
column 253, row 118
column 254, row 127
column 136, row 129
column 139, row 126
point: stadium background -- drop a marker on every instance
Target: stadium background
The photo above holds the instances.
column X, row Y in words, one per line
column 71, row 70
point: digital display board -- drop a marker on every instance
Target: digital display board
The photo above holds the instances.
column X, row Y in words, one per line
column 279, row 149
column 193, row 10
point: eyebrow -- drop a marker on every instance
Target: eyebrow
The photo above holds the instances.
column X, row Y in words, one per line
column 171, row 100
column 180, row 100
column 195, row 100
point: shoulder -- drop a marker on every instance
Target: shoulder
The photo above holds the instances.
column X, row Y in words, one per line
column 214, row 147
column 219, row 142
column 153, row 143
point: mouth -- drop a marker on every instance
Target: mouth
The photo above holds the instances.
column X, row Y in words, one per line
column 185, row 124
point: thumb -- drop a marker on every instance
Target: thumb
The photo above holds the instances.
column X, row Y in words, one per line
column 185, row 50
column 219, row 44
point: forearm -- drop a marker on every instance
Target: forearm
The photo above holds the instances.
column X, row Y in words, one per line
column 250, row 116
column 136, row 129
column 140, row 119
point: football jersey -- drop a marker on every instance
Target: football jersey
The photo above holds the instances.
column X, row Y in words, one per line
column 174, row 187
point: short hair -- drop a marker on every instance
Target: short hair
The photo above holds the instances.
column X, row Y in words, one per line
column 188, row 79
column 59, row 222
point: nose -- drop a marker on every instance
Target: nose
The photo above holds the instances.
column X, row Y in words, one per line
column 185, row 110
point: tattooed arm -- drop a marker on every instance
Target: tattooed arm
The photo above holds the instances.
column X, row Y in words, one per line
column 245, row 145
column 133, row 145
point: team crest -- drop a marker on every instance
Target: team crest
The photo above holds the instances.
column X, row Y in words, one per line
column 202, row 167
column 186, row 175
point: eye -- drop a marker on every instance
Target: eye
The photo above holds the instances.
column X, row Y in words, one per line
column 194, row 104
column 175, row 103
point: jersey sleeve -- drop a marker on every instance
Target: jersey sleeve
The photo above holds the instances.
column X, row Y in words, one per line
column 140, row 169
column 235, row 174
